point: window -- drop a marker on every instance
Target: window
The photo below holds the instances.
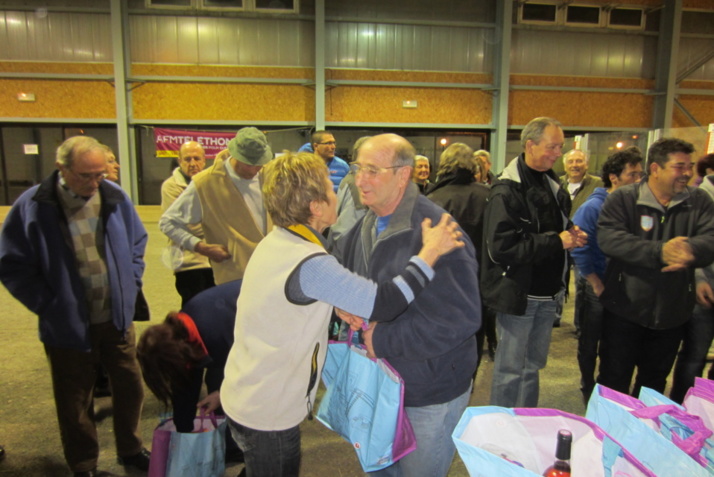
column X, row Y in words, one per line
column 582, row 15
column 169, row 3
column 538, row 13
column 626, row 18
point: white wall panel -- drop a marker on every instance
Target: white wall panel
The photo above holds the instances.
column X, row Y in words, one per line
column 583, row 54
column 691, row 52
column 26, row 35
column 222, row 41
column 408, row 47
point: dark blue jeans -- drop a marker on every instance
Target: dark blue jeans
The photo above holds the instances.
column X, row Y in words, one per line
column 590, row 311
column 698, row 335
column 626, row 345
column 268, row 453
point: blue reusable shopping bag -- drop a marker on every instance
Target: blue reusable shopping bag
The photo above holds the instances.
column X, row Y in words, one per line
column 198, row 453
column 364, row 403
column 520, row 442
column 617, row 414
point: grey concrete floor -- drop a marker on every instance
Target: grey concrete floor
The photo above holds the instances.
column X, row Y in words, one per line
column 28, row 425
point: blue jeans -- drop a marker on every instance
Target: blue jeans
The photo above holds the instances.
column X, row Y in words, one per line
column 523, row 343
column 268, row 453
column 590, row 333
column 435, row 450
column 698, row 335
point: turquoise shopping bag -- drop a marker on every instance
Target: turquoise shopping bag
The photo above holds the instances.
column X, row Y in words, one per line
column 364, row 403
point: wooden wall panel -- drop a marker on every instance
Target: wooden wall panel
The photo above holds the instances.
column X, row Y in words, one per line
column 384, row 104
column 58, row 99
column 388, row 75
column 223, row 102
column 585, row 109
column 58, row 68
column 701, row 107
column 572, row 108
column 143, row 69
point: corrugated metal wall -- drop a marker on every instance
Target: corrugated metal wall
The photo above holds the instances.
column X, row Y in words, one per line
column 85, row 37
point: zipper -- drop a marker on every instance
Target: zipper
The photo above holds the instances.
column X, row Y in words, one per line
column 313, row 379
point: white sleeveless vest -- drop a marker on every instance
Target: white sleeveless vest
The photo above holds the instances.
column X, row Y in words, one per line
column 269, row 367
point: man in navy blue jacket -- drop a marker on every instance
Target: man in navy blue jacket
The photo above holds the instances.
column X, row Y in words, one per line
column 432, row 344
column 71, row 251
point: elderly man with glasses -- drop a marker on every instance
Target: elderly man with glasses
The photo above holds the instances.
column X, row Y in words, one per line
column 432, row 344
column 71, row 251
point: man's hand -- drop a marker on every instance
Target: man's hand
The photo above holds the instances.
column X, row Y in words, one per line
column 440, row 239
column 705, row 294
column 354, row 321
column 211, row 402
column 677, row 254
column 216, row 253
column 367, row 337
column 573, row 238
column 595, row 283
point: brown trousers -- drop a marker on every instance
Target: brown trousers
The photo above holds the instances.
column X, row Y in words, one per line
column 73, row 376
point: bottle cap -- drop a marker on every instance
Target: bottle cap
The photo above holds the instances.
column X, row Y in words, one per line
column 565, row 439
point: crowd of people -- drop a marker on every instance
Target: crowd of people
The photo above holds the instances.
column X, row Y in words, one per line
column 274, row 255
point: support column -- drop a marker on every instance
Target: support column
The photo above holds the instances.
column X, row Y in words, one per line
column 666, row 72
column 129, row 172
column 501, row 80
column 319, row 64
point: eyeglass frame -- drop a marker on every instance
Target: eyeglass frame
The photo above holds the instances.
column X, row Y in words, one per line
column 357, row 168
column 87, row 176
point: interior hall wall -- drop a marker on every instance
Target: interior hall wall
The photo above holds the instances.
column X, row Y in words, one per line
column 224, row 101
column 364, row 103
column 57, row 98
column 582, row 108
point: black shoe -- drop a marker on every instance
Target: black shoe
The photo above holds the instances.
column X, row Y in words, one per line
column 139, row 460
column 556, row 324
column 2, row 453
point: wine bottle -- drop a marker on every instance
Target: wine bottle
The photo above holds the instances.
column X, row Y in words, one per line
column 561, row 466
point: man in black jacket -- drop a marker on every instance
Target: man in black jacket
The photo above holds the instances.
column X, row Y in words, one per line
column 527, row 234
column 655, row 234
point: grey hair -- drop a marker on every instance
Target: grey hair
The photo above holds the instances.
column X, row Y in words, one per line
column 535, row 129
column 76, row 146
column 573, row 151
column 404, row 153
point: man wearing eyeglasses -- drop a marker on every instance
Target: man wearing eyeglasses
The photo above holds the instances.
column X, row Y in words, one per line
column 324, row 145
column 654, row 234
column 71, row 251
column 432, row 344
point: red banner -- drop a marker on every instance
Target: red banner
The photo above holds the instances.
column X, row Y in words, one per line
column 168, row 141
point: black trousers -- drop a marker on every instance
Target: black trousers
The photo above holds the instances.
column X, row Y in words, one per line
column 192, row 282
column 626, row 345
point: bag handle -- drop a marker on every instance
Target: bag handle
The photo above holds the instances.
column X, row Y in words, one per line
column 693, row 444
column 211, row 415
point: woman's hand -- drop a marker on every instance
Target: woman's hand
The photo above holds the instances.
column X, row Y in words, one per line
column 440, row 239
column 354, row 321
column 210, row 403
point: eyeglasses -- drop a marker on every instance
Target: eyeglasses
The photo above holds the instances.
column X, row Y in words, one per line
column 328, row 143
column 369, row 170
column 89, row 177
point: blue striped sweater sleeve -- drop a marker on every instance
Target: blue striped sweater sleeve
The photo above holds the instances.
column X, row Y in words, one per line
column 323, row 278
